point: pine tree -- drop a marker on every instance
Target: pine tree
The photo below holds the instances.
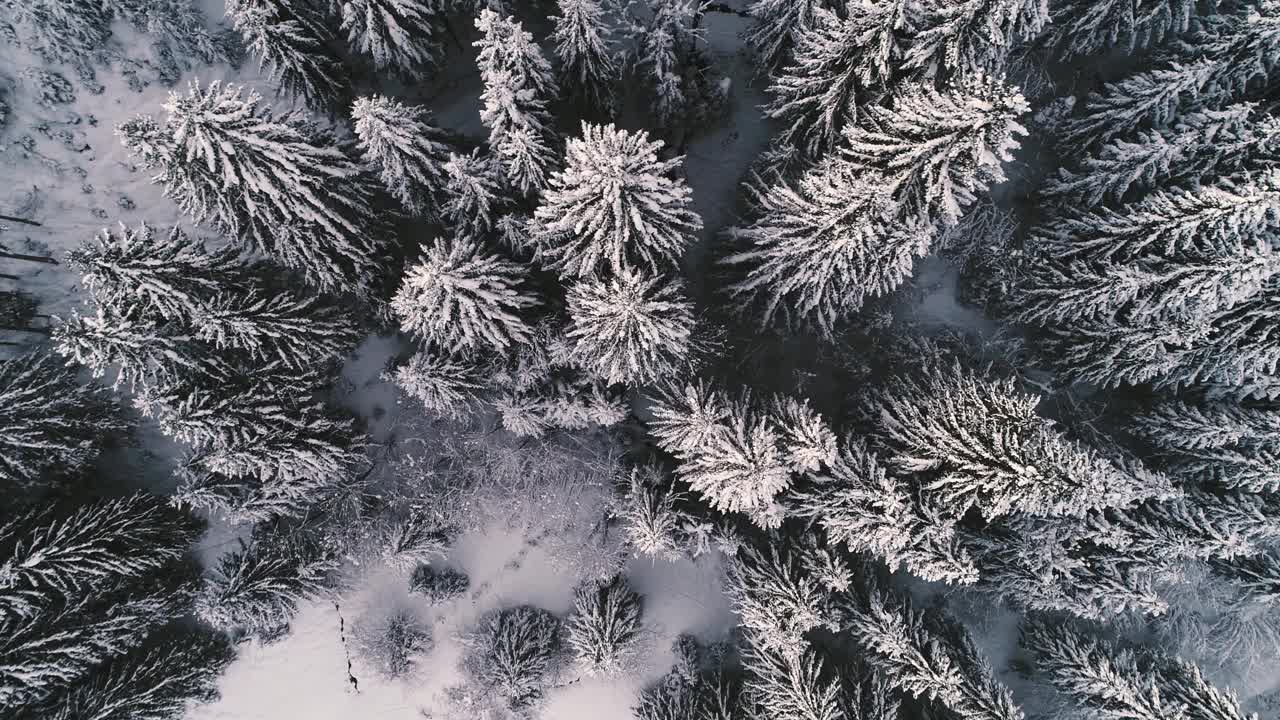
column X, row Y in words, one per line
column 634, row 328
column 777, row 601
column 276, row 183
column 474, row 193
column 157, row 681
column 938, row 148
column 397, row 34
column 1220, row 441
column 518, row 84
column 139, row 351
column 257, row 588
column 993, row 452
column 820, row 246
column 49, row 422
column 741, row 468
column 663, row 55
column 410, row 151
column 689, row 417
column 796, row 687
column 603, row 629
column 924, row 658
column 861, row 506
column 583, row 43
column 169, row 276
column 615, row 205
column 1087, row 27
column 443, row 384
column 807, row 440
column 60, row 31
column 269, row 326
column 972, row 37
column 294, row 40
column 68, row 638
column 94, row 546
column 837, row 59
column 458, row 296
column 651, row 523
column 1112, row 684
column 513, row 651
column 1149, row 98
column 778, row 24
column 414, row 539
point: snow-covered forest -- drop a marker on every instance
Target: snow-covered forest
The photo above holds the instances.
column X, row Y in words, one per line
column 640, row 359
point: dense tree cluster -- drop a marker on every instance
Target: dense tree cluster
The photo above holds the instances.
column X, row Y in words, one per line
column 1094, row 450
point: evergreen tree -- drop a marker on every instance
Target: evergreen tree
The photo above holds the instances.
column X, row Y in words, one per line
column 271, row 326
column 60, row 31
column 294, row 39
column 158, row 275
column 410, row 151
column 139, row 351
column 993, row 452
column 778, row 601
column 474, row 193
column 1087, row 27
column 741, row 468
column 820, row 246
column 651, row 523
column 438, row 586
column 458, row 296
column 778, row 24
column 1256, row 577
column 798, row 687
column 256, row 589
column 583, row 43
column 807, row 440
column 518, row 84
column 1113, row 684
column 443, row 384
column 634, row 328
column 49, row 421
column 861, row 506
column 615, row 205
column 972, row 37
column 603, row 629
column 513, row 651
column 924, row 658
column 687, row 417
column 152, row 682
column 397, row 34
column 838, row 57
column 1220, row 441
column 96, row 545
column 276, row 183
column 938, row 148
column 664, row 55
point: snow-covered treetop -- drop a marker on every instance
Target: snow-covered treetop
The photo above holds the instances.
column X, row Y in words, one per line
column 615, row 205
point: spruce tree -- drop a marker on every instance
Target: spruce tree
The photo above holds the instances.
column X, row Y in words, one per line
column 971, row 37
column 778, row 601
column 513, row 651
column 398, row 35
column 666, row 49
column 651, row 522
column 1113, row 684
column 741, row 467
column 634, row 328
column 928, row 656
column 518, row 85
column 459, row 296
column 615, row 206
column 270, row 326
column 604, row 627
column 838, row 58
column 256, row 589
column 818, row 247
column 275, row 186
column 584, row 41
column 165, row 275
column 473, row 189
column 937, row 149
column 778, row 24
column 860, row 505
column 49, row 421
column 410, row 151
column 443, row 384
column 993, row 452
column 157, row 681
column 799, row 687
column 293, row 39
column 1088, row 27
column 141, row 352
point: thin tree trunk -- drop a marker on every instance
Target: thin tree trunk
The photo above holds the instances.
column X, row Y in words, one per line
column 19, row 220
column 32, row 258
